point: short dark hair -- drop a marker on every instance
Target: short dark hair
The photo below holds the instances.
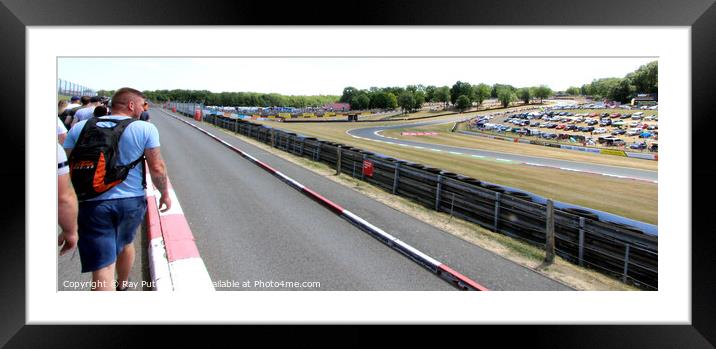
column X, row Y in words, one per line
column 100, row 111
column 124, row 95
column 95, row 99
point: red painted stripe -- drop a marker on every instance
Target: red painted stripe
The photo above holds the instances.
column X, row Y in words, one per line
column 154, row 228
column 462, row 278
column 178, row 238
column 337, row 209
column 266, row 167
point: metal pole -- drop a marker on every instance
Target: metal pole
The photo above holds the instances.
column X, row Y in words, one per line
column 498, row 195
column 581, row 240
column 396, row 177
column 438, row 192
column 549, row 234
column 273, row 138
column 338, row 161
column 626, row 263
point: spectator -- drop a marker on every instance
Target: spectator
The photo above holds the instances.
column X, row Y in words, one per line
column 74, row 103
column 85, row 101
column 66, row 205
column 87, row 112
column 61, row 132
column 63, row 113
column 100, row 111
column 145, row 113
column 108, row 222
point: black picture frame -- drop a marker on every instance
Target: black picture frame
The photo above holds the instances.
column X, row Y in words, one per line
column 16, row 15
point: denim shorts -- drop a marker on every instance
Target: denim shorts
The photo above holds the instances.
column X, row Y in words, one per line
column 105, row 227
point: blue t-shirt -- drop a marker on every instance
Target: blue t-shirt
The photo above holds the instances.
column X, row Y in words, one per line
column 137, row 137
column 84, row 113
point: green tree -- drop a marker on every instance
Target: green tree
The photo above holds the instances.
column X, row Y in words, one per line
column 506, row 96
column 391, row 101
column 480, row 93
column 525, row 94
column 348, row 94
column 442, row 94
column 573, row 91
column 543, row 92
column 463, row 102
column 419, row 99
column 460, row 89
column 622, row 92
column 360, row 102
column 406, row 101
column 430, row 93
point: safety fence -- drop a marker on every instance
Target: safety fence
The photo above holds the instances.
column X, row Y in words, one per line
column 68, row 88
column 581, row 237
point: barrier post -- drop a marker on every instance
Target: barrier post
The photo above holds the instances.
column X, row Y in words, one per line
column 549, row 234
column 581, row 241
column 396, row 177
column 438, row 192
column 338, row 161
column 498, row 195
column 626, row 263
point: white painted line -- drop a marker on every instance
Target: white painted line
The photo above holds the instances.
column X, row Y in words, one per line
column 416, row 252
column 478, row 156
column 190, row 274
column 176, row 206
column 456, row 153
column 159, row 266
column 435, row 149
column 370, row 226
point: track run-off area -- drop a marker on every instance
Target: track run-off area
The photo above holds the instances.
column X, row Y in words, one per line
column 258, row 223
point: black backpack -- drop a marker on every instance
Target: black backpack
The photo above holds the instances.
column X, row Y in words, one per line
column 93, row 161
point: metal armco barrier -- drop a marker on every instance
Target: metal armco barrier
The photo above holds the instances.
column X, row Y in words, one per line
column 580, row 237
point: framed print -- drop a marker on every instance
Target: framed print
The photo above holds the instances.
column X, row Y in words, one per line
column 37, row 33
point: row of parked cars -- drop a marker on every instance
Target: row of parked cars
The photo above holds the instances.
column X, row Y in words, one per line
column 540, row 124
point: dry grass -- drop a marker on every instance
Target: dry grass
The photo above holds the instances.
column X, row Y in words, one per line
column 519, row 252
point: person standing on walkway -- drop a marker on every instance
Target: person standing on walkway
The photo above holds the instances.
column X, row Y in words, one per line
column 66, row 205
column 108, row 222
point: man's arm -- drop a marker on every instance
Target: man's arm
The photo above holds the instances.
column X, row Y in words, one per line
column 67, row 214
column 158, row 172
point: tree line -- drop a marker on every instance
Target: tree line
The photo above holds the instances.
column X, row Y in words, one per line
column 254, row 99
column 462, row 95
column 643, row 80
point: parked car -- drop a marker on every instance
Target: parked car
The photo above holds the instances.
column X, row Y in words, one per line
column 591, row 122
column 570, row 127
column 633, row 132
column 625, row 116
column 618, row 123
column 600, row 130
column 605, row 122
column 653, row 127
column 638, row 145
column 587, row 129
column 560, row 127
column 618, row 132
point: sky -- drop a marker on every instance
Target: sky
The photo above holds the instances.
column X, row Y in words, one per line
column 329, row 75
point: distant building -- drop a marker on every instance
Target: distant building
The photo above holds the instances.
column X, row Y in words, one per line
column 647, row 99
column 337, row 107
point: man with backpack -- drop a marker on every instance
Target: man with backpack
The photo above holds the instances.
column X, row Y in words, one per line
column 106, row 156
